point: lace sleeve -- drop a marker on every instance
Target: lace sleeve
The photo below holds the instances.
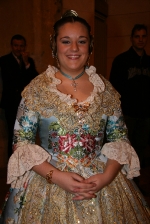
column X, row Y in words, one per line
column 124, row 153
column 21, row 162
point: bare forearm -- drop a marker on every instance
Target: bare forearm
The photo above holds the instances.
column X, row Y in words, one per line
column 111, row 170
column 68, row 181
column 43, row 168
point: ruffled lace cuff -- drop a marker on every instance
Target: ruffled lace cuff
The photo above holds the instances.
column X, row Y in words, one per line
column 22, row 161
column 124, row 154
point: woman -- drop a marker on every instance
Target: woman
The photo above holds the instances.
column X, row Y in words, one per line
column 71, row 178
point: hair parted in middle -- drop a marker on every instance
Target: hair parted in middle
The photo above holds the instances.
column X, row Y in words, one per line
column 70, row 16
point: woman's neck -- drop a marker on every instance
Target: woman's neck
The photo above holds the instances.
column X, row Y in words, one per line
column 71, row 73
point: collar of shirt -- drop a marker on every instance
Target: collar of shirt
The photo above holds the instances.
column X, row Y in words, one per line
column 16, row 58
column 27, row 66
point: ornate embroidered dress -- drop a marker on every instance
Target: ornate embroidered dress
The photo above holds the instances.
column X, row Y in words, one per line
column 72, row 139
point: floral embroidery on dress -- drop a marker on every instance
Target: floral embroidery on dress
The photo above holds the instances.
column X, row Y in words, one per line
column 19, row 198
column 28, row 128
column 72, row 139
column 76, row 144
column 117, row 131
column 74, row 123
column 42, row 95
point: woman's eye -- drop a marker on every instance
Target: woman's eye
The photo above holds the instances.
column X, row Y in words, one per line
column 65, row 42
column 82, row 42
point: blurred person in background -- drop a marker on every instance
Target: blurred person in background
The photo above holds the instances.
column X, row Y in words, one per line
column 17, row 70
column 130, row 75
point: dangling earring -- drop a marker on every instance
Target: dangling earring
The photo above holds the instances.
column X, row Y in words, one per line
column 57, row 60
column 54, row 49
column 87, row 63
column 53, row 56
column 52, row 45
column 90, row 51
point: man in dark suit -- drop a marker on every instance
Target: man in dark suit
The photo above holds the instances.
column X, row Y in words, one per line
column 17, row 70
column 130, row 75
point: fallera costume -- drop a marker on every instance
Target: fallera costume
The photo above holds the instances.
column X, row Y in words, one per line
column 72, row 136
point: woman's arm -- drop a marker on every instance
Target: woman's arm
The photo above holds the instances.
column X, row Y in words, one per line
column 111, row 170
column 69, row 181
column 28, row 156
column 102, row 179
column 116, row 132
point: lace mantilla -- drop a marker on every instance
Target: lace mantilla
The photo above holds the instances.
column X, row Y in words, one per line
column 42, row 96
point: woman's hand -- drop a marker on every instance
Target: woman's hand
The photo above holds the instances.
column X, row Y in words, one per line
column 74, row 184
column 25, row 57
column 69, row 181
column 100, row 180
column 103, row 179
column 77, row 185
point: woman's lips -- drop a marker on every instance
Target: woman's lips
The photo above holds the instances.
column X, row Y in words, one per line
column 73, row 57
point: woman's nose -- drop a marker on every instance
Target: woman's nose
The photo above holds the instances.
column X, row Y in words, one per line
column 74, row 46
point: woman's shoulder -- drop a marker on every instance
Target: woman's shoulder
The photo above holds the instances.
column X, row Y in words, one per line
column 42, row 81
column 39, row 92
column 100, row 82
column 47, row 76
column 105, row 94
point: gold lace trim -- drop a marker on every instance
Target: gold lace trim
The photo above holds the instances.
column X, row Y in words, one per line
column 42, row 96
column 48, row 203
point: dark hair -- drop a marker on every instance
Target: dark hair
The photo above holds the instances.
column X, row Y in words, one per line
column 69, row 19
column 18, row 37
column 138, row 27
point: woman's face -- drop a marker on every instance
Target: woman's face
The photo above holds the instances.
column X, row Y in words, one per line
column 72, row 47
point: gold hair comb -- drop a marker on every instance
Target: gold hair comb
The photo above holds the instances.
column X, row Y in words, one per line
column 70, row 13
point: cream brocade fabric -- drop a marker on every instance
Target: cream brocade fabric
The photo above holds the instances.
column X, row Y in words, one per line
column 39, row 94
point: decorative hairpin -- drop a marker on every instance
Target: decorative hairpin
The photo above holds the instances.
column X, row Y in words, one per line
column 70, row 13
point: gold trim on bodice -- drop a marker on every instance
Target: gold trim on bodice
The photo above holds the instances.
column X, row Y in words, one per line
column 42, row 96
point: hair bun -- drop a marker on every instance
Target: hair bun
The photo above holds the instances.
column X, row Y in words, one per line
column 69, row 13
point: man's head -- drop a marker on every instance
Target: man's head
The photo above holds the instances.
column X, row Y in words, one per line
column 139, row 37
column 18, row 44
